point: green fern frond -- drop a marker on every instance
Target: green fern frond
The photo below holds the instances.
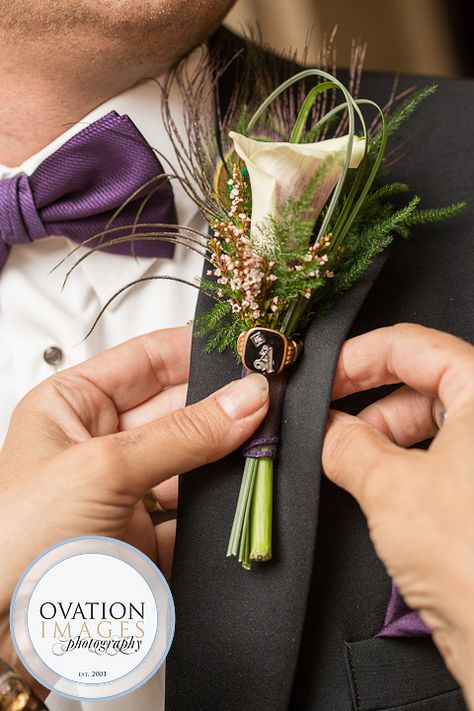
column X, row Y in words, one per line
column 398, row 219
column 386, row 190
column 402, row 113
column 421, row 217
column 224, row 337
column 349, row 278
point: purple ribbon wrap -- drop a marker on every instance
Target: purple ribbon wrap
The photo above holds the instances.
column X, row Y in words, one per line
column 264, row 442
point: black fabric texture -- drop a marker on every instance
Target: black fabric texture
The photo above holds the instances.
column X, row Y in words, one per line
column 382, row 670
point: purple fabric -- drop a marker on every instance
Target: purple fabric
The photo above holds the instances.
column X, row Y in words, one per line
column 75, row 191
column 253, row 448
column 401, row 620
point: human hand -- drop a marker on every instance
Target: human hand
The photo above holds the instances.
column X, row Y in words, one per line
column 86, row 445
column 419, row 504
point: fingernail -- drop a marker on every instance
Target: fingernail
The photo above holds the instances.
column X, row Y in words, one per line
column 244, row 397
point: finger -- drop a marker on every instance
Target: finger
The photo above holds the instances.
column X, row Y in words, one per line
column 134, row 532
column 405, row 416
column 429, row 361
column 167, row 494
column 169, row 400
column 137, row 370
column 361, row 460
column 455, row 436
column 87, row 400
column 188, row 438
column 165, row 539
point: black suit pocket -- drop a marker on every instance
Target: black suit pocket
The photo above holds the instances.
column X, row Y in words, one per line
column 402, row 674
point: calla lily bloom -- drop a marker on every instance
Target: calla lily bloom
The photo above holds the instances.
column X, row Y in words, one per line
column 279, row 171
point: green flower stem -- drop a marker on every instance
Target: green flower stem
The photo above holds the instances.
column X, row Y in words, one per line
column 246, row 488
column 261, row 512
column 293, row 315
column 300, row 124
column 346, row 219
column 244, row 547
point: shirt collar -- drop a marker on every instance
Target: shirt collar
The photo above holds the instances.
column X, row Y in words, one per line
column 143, row 104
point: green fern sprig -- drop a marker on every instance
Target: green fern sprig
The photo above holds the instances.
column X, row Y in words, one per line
column 402, row 113
column 437, row 214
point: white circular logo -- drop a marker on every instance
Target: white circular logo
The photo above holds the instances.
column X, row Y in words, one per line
column 92, row 618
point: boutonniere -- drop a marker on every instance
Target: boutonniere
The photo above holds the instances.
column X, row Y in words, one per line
column 299, row 206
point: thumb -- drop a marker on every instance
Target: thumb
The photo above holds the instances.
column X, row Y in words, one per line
column 360, row 459
column 189, row 437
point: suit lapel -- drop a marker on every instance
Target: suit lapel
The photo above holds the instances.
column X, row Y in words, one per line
column 238, row 633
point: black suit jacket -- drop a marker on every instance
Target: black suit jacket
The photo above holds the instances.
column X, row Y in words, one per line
column 297, row 633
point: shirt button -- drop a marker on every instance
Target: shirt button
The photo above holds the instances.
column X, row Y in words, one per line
column 53, row 355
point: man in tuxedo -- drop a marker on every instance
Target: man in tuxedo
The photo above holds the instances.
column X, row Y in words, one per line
column 296, row 633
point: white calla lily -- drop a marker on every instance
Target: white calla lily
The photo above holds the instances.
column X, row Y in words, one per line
column 279, row 171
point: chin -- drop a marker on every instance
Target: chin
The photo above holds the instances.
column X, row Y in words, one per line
column 149, row 15
column 156, row 30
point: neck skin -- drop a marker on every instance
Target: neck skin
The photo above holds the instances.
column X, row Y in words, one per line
column 33, row 116
column 42, row 98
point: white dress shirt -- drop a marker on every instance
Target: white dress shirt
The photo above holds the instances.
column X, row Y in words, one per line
column 35, row 315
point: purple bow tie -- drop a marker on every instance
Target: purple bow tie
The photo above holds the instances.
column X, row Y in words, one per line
column 75, row 191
